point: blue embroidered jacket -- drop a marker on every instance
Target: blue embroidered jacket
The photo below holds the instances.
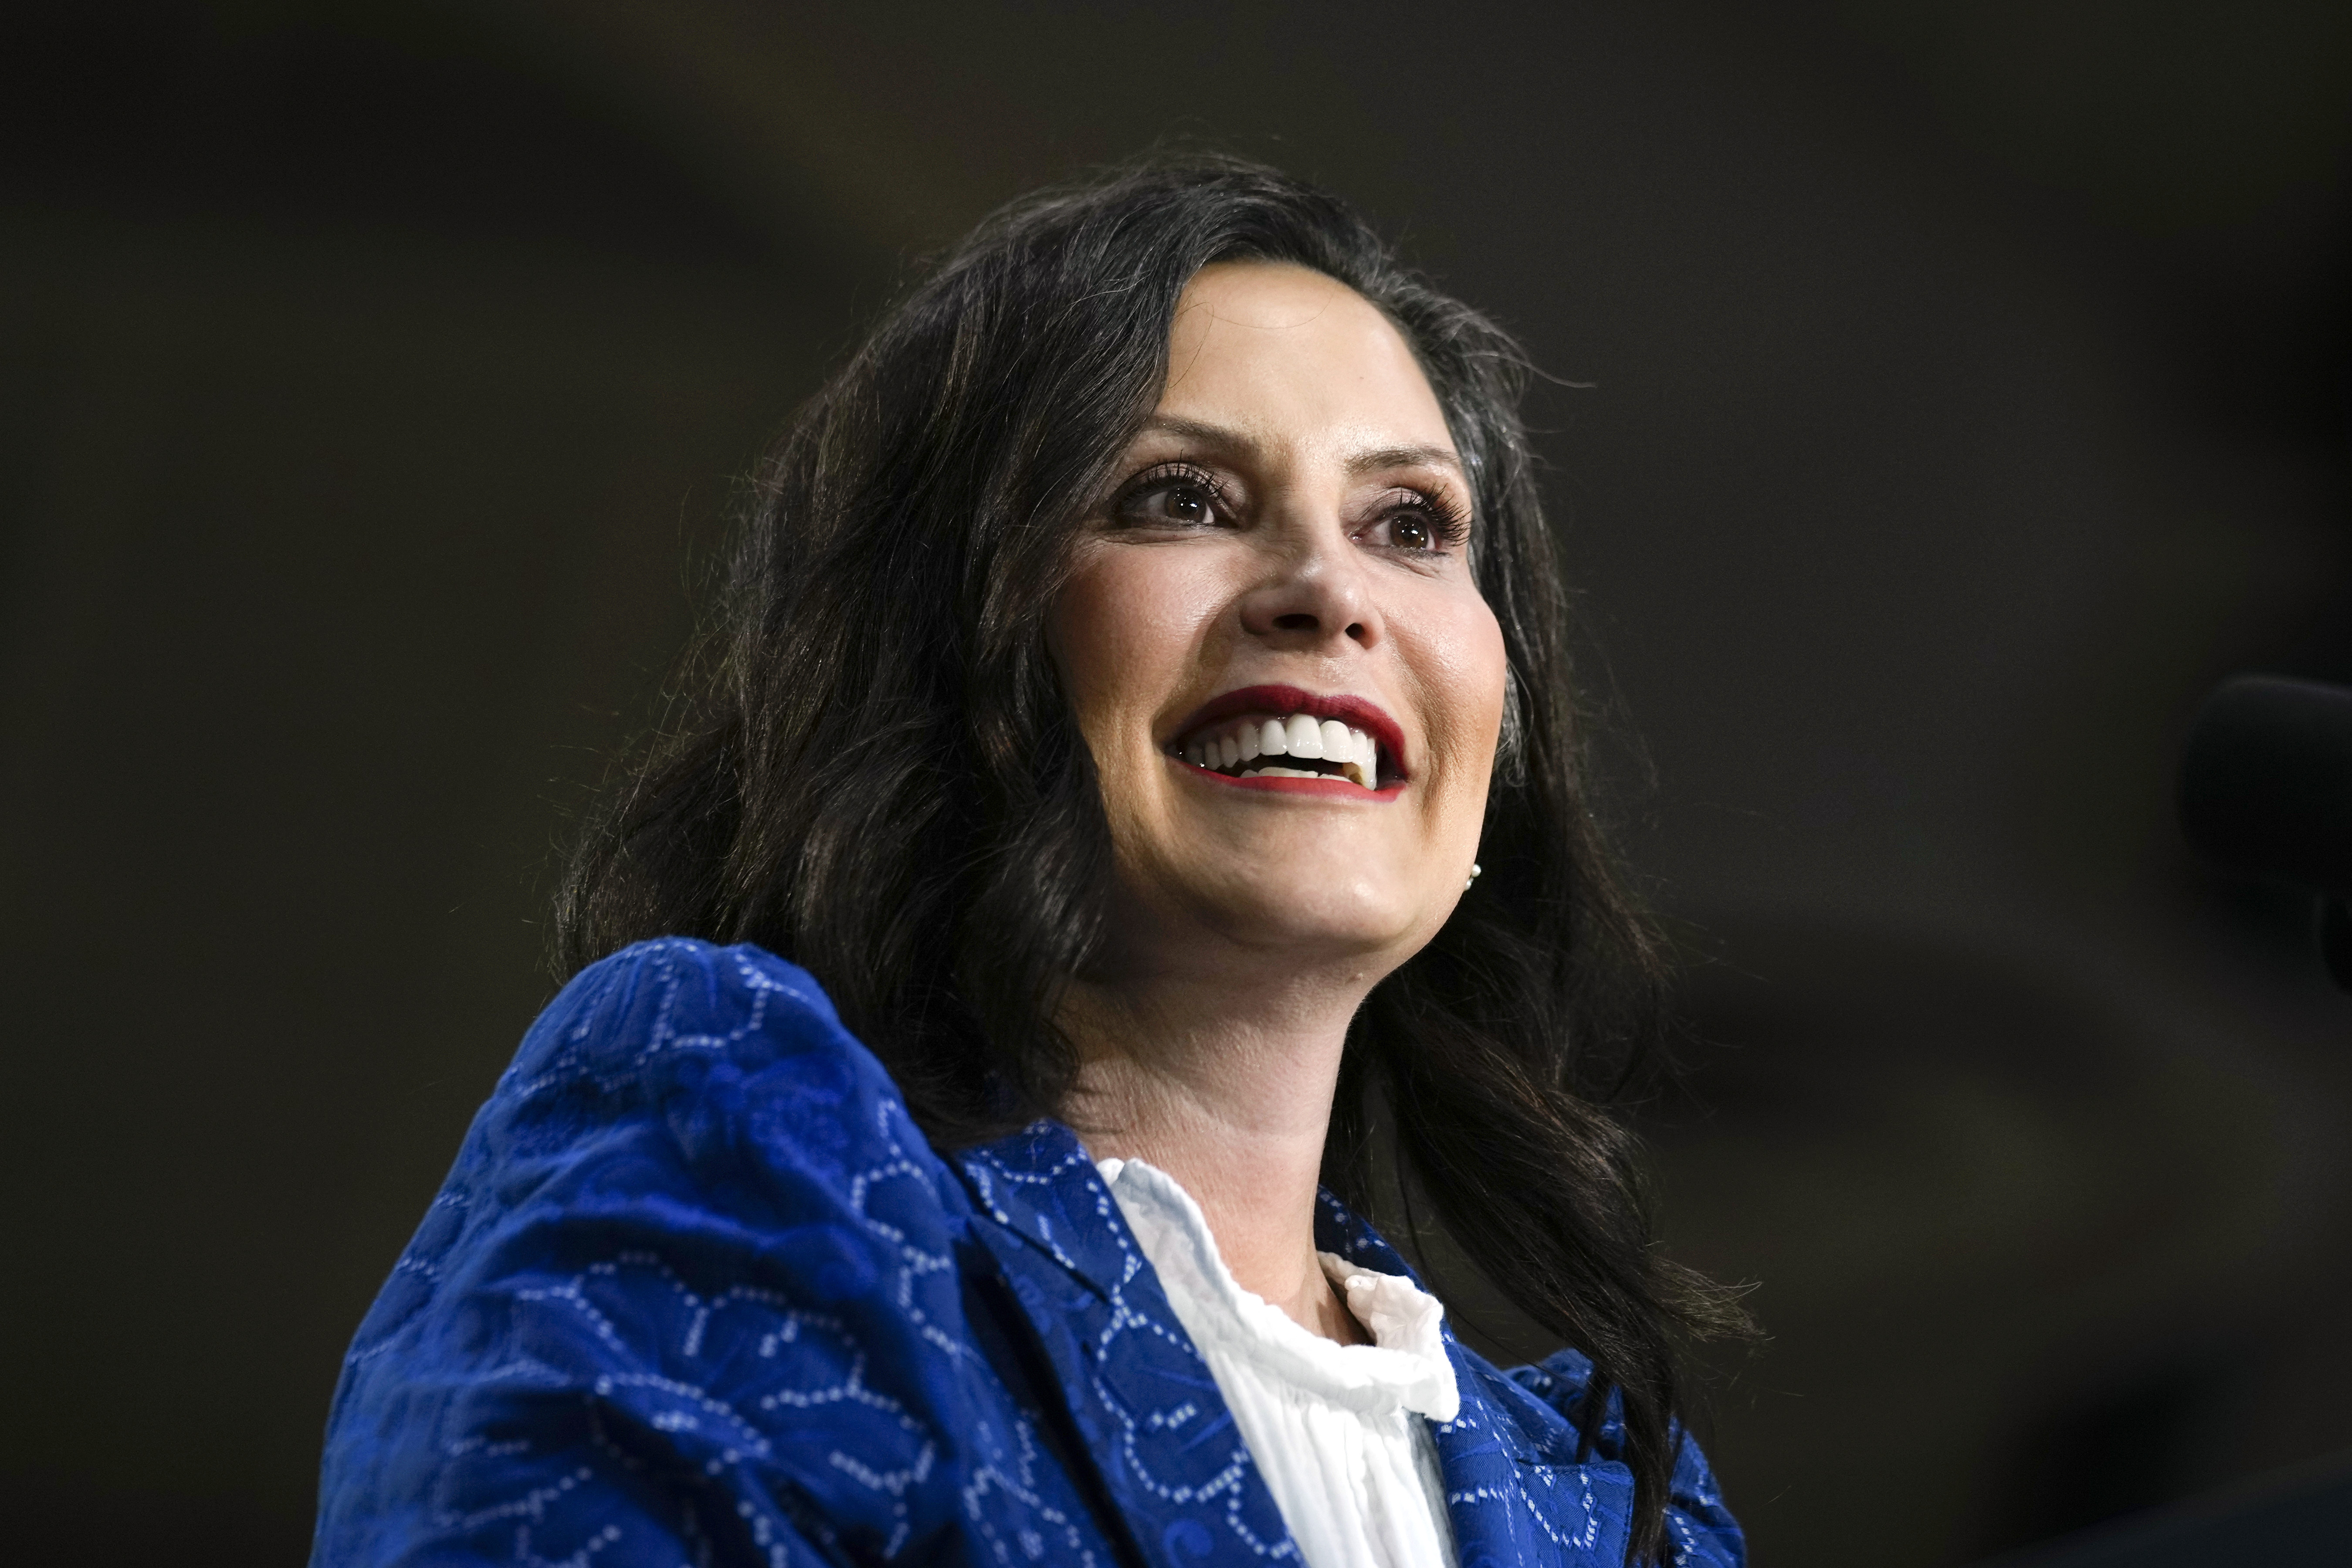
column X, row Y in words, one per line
column 698, row 1291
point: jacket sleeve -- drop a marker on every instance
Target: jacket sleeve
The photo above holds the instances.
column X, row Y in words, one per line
column 1700, row 1530
column 687, row 1296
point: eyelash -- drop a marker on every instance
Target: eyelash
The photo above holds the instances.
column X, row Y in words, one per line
column 1440, row 512
column 1444, row 516
column 1167, row 475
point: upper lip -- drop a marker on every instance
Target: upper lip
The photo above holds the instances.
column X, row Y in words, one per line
column 1280, row 701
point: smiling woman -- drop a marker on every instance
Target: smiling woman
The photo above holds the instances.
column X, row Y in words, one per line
column 1128, row 661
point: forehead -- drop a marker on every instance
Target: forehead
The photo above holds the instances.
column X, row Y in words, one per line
column 1293, row 356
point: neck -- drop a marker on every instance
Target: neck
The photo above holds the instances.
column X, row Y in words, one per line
column 1227, row 1087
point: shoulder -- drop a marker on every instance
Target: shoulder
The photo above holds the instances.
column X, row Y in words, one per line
column 689, row 1093
column 694, row 1206
column 726, row 1057
column 631, row 1022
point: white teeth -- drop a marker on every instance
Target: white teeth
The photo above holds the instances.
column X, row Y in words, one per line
column 1336, row 745
column 1355, row 754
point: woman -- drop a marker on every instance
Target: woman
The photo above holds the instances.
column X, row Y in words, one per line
column 1131, row 657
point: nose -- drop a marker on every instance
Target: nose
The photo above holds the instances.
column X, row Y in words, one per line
column 1314, row 593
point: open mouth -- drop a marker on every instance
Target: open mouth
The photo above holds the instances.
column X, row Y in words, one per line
column 1298, row 747
column 1280, row 733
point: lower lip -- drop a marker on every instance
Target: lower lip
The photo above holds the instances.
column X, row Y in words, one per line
column 1328, row 789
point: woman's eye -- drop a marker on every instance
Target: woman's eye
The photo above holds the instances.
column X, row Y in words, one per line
column 1182, row 503
column 1416, row 530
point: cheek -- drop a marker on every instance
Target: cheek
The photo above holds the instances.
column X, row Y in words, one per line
column 1466, row 666
column 1124, row 632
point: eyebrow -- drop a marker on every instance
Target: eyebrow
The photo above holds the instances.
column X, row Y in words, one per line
column 1223, row 439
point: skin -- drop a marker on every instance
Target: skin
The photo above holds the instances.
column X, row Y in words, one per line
column 1247, row 926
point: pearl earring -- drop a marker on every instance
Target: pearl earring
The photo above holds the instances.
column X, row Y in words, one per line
column 1476, row 871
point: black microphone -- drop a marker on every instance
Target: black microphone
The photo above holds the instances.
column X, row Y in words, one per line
column 2266, row 788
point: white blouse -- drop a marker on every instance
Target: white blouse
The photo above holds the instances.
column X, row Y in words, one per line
column 1335, row 1429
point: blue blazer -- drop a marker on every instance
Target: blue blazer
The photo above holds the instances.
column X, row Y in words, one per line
column 698, row 1291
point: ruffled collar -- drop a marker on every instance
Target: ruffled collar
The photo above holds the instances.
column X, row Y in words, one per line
column 1406, row 1366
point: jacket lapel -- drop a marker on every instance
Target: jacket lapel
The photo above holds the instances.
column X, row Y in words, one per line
column 1514, row 1492
column 1149, row 1417
column 1142, row 1400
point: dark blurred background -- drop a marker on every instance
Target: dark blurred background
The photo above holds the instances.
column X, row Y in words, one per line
column 1962, row 390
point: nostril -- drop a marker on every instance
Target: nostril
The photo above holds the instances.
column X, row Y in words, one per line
column 1298, row 623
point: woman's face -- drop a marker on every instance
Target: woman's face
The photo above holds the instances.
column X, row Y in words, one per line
column 1290, row 686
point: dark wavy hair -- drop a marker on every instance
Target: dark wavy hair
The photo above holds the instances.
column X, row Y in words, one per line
column 871, row 769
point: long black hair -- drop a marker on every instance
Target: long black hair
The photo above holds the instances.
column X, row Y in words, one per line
column 874, row 771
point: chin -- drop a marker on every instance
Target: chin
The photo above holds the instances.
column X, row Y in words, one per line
column 1273, row 912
